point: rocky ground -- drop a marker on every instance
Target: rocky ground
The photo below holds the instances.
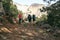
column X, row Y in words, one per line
column 27, row 32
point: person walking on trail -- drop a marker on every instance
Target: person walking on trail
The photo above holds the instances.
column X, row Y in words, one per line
column 20, row 18
column 29, row 18
column 33, row 17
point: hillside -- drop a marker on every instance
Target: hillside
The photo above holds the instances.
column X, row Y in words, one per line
column 32, row 9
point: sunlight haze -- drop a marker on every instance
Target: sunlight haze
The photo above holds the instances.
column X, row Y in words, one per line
column 28, row 2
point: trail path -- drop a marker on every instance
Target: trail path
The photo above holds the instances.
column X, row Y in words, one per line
column 24, row 32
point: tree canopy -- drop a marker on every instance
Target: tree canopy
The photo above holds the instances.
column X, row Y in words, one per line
column 54, row 14
column 10, row 9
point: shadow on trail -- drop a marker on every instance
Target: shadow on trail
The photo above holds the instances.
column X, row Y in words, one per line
column 24, row 32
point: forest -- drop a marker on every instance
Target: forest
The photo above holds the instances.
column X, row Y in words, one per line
column 43, row 29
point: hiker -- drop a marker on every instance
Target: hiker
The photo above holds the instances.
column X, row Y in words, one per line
column 20, row 18
column 29, row 18
column 33, row 18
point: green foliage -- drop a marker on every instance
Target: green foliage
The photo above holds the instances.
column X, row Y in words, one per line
column 10, row 19
column 13, row 10
column 6, row 5
column 43, row 17
column 48, row 1
column 10, row 9
column 42, row 20
column 54, row 14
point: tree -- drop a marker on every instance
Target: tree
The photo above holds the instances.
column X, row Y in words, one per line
column 44, row 17
column 6, row 5
column 54, row 14
column 13, row 10
column 10, row 10
column 48, row 1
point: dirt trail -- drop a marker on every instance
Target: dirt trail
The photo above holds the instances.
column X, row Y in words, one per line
column 24, row 32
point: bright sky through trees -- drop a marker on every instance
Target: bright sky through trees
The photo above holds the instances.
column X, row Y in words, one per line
column 29, row 2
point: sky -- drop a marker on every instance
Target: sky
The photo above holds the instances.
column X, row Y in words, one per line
column 28, row 2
